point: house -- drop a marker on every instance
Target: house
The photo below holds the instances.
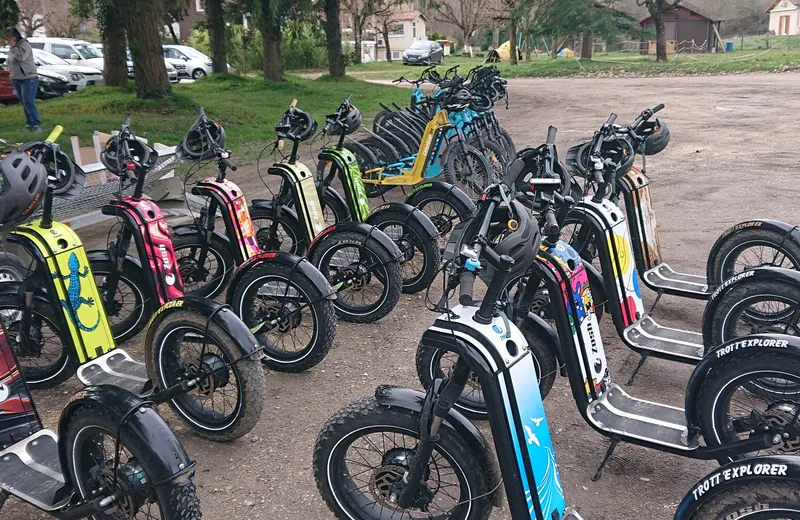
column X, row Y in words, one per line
column 195, row 13
column 685, row 24
column 405, row 28
column 784, row 17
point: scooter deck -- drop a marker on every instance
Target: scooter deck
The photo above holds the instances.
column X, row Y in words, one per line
column 663, row 278
column 31, row 470
column 116, row 368
column 619, row 413
column 648, row 336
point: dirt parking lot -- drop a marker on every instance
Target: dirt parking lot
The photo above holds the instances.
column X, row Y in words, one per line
column 733, row 156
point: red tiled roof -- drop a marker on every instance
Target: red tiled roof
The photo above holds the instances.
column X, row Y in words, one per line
column 406, row 15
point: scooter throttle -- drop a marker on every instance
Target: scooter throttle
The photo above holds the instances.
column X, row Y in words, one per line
column 551, row 226
column 657, row 108
column 564, row 207
column 466, row 281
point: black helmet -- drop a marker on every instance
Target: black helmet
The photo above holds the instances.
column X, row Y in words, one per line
column 65, row 177
column 618, row 149
column 349, row 122
column 140, row 152
column 481, row 103
column 22, row 184
column 299, row 124
column 458, row 100
column 195, row 145
column 521, row 244
column 656, row 134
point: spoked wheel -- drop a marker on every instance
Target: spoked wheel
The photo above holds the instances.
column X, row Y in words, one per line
column 130, row 309
column 468, row 169
column 748, row 393
column 363, row 452
column 11, row 268
column 227, row 401
column 444, row 211
column 286, row 235
column 91, row 440
column 289, row 315
column 754, row 248
column 207, row 277
column 367, row 279
column 41, row 353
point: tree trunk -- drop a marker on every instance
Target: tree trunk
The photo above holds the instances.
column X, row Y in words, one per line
column 512, row 40
column 333, row 35
column 528, row 47
column 357, row 32
column 216, row 35
column 172, row 33
column 115, row 62
column 495, row 36
column 587, row 47
column 385, row 31
column 144, row 23
column 271, row 39
column 661, row 37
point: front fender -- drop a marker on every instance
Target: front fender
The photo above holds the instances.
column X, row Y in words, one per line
column 191, row 229
column 411, row 401
column 411, row 213
column 537, row 326
column 221, row 315
column 447, row 190
column 786, row 276
column 765, row 344
column 363, row 229
column 790, row 232
column 289, row 260
column 15, row 289
column 145, row 430
column 736, row 474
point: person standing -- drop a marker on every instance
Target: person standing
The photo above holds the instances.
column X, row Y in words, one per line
column 23, row 74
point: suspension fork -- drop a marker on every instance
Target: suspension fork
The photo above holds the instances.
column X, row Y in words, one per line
column 207, row 223
column 117, row 252
column 28, row 319
column 438, row 403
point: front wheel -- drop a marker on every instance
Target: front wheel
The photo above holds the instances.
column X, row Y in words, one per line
column 753, row 248
column 443, row 208
column 206, row 277
column 91, row 441
column 748, row 393
column 365, row 449
column 366, row 277
column 468, row 169
column 227, row 401
column 766, row 499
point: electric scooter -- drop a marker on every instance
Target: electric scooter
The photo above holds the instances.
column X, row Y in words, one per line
column 404, row 452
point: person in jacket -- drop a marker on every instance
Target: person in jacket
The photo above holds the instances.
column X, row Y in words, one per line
column 23, row 74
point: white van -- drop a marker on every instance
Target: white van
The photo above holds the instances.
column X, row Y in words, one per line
column 76, row 52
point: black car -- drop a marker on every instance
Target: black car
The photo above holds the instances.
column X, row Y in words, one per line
column 52, row 85
column 424, row 52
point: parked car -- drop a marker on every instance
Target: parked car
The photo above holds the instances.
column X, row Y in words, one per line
column 76, row 52
column 6, row 87
column 172, row 73
column 198, row 65
column 424, row 52
column 77, row 75
column 51, row 83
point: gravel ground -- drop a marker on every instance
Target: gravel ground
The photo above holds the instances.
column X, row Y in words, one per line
column 732, row 153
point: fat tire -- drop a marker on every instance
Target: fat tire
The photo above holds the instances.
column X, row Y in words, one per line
column 298, row 244
column 722, row 264
column 483, row 173
column 177, row 500
column 11, row 267
column 393, row 282
column 217, row 247
column 494, row 153
column 743, row 499
column 123, row 331
column 428, row 246
column 366, row 412
column 322, row 308
column 249, row 374
column 508, row 143
column 428, row 359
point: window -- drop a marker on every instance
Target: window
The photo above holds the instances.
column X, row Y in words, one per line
column 396, row 29
column 37, row 45
column 396, row 55
column 413, row 29
column 198, row 6
column 87, row 51
column 783, row 25
column 63, row 51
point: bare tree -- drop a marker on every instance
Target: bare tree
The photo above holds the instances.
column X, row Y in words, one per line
column 63, row 25
column 383, row 16
column 657, row 9
column 32, row 16
column 467, row 15
column 359, row 12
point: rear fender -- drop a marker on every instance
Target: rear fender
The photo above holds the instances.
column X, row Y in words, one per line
column 146, row 430
column 191, row 229
column 410, row 213
column 411, row 401
column 446, row 189
column 293, row 262
column 786, row 276
column 763, row 344
column 736, row 474
column 789, row 232
column 363, row 229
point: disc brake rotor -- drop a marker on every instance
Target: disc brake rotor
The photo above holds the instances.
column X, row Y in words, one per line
column 443, row 223
column 212, row 372
column 190, row 271
column 287, row 314
column 783, row 416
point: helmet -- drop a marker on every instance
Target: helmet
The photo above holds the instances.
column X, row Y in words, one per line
column 297, row 123
column 349, row 123
column 458, row 100
column 656, row 134
column 65, row 177
column 481, row 103
column 141, row 153
column 195, row 145
column 618, row 149
column 22, row 183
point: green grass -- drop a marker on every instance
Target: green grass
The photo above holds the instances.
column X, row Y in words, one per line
column 247, row 108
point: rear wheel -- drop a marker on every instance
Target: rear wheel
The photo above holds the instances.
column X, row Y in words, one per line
column 365, row 449
column 209, row 277
column 91, row 441
column 228, row 400
column 444, row 210
column 468, row 169
column 753, row 248
column 495, row 154
column 11, row 268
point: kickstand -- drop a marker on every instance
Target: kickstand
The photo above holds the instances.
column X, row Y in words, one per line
column 638, row 367
column 653, row 307
column 611, row 447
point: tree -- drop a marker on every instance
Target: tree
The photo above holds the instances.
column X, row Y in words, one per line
column 360, row 11
column 467, row 15
column 271, row 38
column 216, row 35
column 657, row 9
column 111, row 21
column 382, row 18
column 174, row 11
column 32, row 16
column 143, row 23
column 333, row 37
column 9, row 13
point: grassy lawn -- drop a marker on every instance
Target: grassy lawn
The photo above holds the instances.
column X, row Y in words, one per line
column 247, row 108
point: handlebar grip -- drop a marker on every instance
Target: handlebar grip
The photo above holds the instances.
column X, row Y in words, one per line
column 658, row 108
column 202, row 111
column 467, row 282
column 551, row 226
column 611, row 119
column 230, row 164
column 126, row 121
column 54, row 134
column 598, row 177
column 551, row 135
column 293, row 103
column 279, row 145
